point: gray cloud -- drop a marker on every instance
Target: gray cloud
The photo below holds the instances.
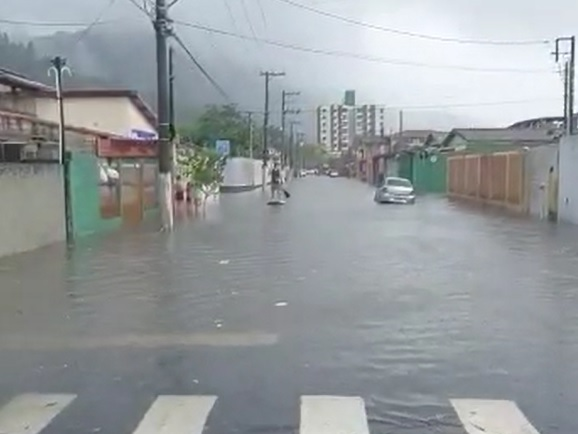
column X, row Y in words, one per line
column 325, row 77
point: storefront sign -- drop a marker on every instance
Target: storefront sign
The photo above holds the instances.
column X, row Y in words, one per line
column 126, row 148
column 142, row 134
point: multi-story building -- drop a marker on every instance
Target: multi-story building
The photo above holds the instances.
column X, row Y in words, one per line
column 339, row 124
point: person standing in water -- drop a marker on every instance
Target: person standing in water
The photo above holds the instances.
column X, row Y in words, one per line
column 276, row 181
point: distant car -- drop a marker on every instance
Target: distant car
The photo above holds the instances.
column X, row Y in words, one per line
column 395, row 190
column 333, row 174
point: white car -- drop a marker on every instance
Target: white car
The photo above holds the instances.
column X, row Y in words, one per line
column 395, row 190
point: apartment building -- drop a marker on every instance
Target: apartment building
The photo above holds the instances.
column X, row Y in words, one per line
column 339, row 124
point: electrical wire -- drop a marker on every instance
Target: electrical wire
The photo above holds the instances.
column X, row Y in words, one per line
column 408, row 33
column 375, row 59
column 55, row 23
column 248, row 18
column 142, row 7
column 435, row 106
column 263, row 16
column 200, row 67
column 98, row 19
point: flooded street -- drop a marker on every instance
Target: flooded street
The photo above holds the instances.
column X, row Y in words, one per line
column 405, row 307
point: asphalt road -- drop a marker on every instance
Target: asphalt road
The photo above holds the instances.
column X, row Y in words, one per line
column 329, row 315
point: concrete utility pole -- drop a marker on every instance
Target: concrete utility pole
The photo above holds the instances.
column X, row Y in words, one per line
column 162, row 31
column 58, row 67
column 293, row 147
column 172, row 122
column 284, row 112
column 569, row 80
column 251, row 128
column 171, row 93
column 268, row 76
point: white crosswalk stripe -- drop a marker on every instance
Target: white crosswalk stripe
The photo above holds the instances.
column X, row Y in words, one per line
column 172, row 414
column 177, row 415
column 333, row 415
column 31, row 413
column 492, row 416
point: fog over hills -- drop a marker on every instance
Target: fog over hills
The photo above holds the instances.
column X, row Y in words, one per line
column 438, row 84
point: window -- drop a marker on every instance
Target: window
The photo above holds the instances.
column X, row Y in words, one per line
column 109, row 189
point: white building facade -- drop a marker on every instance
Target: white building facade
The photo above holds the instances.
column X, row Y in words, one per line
column 117, row 112
column 339, row 124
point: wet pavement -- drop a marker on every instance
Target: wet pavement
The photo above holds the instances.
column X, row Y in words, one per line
column 406, row 307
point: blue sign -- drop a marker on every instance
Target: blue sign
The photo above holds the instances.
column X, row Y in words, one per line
column 223, row 147
column 142, row 135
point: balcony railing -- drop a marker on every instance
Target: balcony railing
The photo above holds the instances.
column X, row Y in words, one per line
column 38, row 138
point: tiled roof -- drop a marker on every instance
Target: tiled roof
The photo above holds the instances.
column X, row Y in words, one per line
column 13, row 79
column 523, row 136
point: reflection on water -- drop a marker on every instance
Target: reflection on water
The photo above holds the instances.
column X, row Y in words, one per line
column 405, row 306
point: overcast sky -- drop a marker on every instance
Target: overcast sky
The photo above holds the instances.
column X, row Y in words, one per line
column 442, row 82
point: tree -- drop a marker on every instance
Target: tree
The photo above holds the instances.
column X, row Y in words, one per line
column 203, row 168
column 314, row 155
column 224, row 122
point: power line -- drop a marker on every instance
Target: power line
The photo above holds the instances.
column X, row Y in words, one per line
column 200, row 67
column 439, row 106
column 98, row 19
column 143, row 7
column 55, row 23
column 335, row 53
column 248, row 18
column 408, row 33
column 263, row 16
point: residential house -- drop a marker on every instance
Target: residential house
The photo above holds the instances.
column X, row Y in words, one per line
column 24, row 133
column 498, row 139
column 96, row 123
column 372, row 156
column 409, row 139
column 117, row 112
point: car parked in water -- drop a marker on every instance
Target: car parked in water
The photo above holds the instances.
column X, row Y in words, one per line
column 395, row 190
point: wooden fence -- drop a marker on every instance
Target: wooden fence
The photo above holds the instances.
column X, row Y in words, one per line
column 496, row 179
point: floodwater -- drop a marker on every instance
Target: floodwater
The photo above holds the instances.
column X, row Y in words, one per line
column 406, row 307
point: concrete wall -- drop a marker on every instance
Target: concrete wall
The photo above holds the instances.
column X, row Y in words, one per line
column 537, row 166
column 116, row 115
column 568, row 180
column 242, row 174
column 32, row 206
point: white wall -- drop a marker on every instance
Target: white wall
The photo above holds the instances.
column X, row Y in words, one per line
column 242, row 172
column 116, row 115
column 537, row 165
column 568, row 180
column 31, row 207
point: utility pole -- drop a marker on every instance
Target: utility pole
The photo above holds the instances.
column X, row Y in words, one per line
column 268, row 76
column 251, row 133
column 58, row 67
column 293, row 147
column 162, row 31
column 172, row 126
column 284, row 112
column 171, row 93
column 569, row 80
column 400, row 132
